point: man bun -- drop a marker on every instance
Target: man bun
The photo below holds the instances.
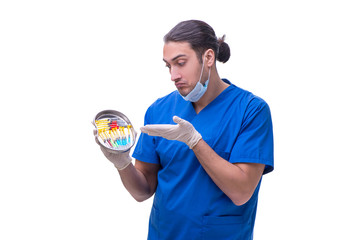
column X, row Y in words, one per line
column 201, row 37
column 224, row 50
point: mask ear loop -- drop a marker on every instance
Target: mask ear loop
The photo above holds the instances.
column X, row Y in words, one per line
column 202, row 69
column 207, row 82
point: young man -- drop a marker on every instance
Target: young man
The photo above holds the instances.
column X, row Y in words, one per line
column 203, row 149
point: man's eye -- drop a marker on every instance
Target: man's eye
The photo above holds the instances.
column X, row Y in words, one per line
column 181, row 63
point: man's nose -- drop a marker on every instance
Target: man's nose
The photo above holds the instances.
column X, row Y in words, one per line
column 175, row 75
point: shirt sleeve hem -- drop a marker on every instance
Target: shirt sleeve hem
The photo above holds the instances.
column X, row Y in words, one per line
column 269, row 166
column 144, row 159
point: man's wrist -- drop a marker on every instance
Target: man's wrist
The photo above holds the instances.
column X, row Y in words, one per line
column 123, row 163
column 194, row 140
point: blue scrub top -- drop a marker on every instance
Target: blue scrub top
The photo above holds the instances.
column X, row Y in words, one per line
column 187, row 204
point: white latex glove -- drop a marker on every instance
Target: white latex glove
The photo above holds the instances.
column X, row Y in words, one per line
column 183, row 131
column 120, row 159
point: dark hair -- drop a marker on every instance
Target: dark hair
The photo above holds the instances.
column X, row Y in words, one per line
column 201, row 37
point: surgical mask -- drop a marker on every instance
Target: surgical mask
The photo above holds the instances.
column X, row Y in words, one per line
column 199, row 90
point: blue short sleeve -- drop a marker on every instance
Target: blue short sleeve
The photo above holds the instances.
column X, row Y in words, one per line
column 145, row 147
column 255, row 142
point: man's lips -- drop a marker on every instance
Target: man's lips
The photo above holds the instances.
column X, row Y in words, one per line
column 180, row 84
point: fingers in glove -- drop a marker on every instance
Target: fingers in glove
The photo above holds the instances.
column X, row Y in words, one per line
column 101, row 146
column 144, row 129
column 151, row 130
column 157, row 129
column 97, row 140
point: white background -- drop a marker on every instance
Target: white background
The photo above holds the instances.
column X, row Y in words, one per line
column 61, row 62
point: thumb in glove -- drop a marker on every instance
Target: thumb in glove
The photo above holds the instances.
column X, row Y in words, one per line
column 183, row 131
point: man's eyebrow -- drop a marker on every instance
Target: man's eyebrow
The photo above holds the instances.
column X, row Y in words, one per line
column 176, row 57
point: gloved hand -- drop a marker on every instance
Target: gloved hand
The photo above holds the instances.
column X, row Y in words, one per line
column 183, row 131
column 120, row 159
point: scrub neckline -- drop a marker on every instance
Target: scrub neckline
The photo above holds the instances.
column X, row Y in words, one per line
column 215, row 99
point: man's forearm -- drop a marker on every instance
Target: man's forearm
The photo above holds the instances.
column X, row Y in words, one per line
column 237, row 181
column 136, row 183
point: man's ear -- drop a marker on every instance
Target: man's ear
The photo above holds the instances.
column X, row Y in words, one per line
column 209, row 58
